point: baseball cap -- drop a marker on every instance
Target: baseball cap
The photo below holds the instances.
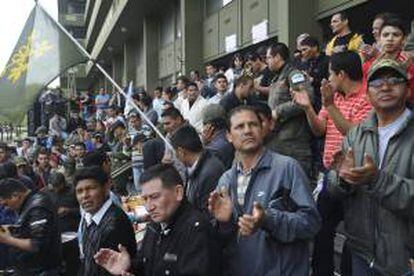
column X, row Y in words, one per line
column 213, row 112
column 20, row 160
column 387, row 64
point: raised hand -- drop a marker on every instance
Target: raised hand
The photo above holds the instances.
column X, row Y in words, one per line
column 220, row 205
column 114, row 262
column 327, row 93
column 248, row 224
column 302, row 99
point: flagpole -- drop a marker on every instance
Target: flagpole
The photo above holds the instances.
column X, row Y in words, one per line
column 103, row 71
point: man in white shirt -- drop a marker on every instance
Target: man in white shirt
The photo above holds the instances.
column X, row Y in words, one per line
column 220, row 83
column 192, row 107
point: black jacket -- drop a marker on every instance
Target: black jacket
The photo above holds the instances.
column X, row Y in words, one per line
column 37, row 222
column 230, row 101
column 114, row 228
column 184, row 247
column 203, row 180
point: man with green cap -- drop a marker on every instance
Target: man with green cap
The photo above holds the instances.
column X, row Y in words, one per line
column 375, row 177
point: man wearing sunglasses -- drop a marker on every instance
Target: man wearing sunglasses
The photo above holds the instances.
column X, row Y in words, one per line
column 375, row 178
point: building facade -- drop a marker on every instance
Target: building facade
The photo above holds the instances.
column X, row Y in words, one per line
column 151, row 42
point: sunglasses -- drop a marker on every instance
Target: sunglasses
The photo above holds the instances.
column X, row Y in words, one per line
column 390, row 81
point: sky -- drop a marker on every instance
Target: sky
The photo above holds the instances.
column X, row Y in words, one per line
column 13, row 15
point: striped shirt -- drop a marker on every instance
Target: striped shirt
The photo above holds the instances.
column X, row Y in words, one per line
column 354, row 107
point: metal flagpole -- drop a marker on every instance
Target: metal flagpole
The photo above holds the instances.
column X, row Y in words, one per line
column 103, row 71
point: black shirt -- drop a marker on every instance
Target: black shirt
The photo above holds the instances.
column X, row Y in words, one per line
column 38, row 222
column 342, row 42
column 68, row 221
column 230, row 101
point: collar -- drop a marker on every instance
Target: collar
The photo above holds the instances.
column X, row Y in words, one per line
column 97, row 217
column 371, row 123
column 164, row 228
column 263, row 161
column 191, row 169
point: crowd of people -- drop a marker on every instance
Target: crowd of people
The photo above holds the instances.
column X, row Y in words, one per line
column 257, row 167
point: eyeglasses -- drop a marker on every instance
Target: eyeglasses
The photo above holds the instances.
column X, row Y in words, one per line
column 390, row 81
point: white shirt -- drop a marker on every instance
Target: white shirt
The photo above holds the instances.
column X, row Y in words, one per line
column 97, row 217
column 194, row 115
column 387, row 132
column 216, row 98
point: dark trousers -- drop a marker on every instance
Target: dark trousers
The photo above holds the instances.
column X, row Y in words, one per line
column 331, row 211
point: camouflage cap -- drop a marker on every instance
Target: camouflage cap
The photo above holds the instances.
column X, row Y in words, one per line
column 387, row 63
column 20, row 160
column 213, row 112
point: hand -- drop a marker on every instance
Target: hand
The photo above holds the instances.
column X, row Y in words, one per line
column 4, row 233
column 114, row 262
column 248, row 224
column 302, row 99
column 358, row 175
column 220, row 205
column 274, row 115
column 327, row 93
column 63, row 210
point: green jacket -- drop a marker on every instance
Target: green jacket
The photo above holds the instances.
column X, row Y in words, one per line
column 292, row 135
column 379, row 217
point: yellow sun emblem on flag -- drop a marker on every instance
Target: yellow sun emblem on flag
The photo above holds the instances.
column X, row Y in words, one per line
column 19, row 62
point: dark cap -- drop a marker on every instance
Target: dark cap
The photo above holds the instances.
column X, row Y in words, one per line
column 20, row 161
column 213, row 112
column 387, row 64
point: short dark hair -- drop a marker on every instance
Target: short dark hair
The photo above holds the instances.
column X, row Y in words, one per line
column 192, row 84
column 253, row 56
column 168, row 90
column 56, row 178
column 9, row 186
column 158, row 88
column 172, row 112
column 281, row 49
column 8, row 169
column 241, row 108
column 384, row 15
column 80, row 144
column 95, row 158
column 184, row 79
column 167, row 173
column 396, row 22
column 220, row 76
column 43, row 151
column 96, row 173
column 186, row 137
column 310, row 41
column 146, row 100
column 263, row 108
column 236, row 56
column 349, row 62
column 243, row 79
column 209, row 64
column 343, row 15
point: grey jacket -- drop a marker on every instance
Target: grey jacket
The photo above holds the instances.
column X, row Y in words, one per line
column 291, row 127
column 280, row 247
column 379, row 217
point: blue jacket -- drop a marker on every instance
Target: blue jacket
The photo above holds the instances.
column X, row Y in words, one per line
column 280, row 247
